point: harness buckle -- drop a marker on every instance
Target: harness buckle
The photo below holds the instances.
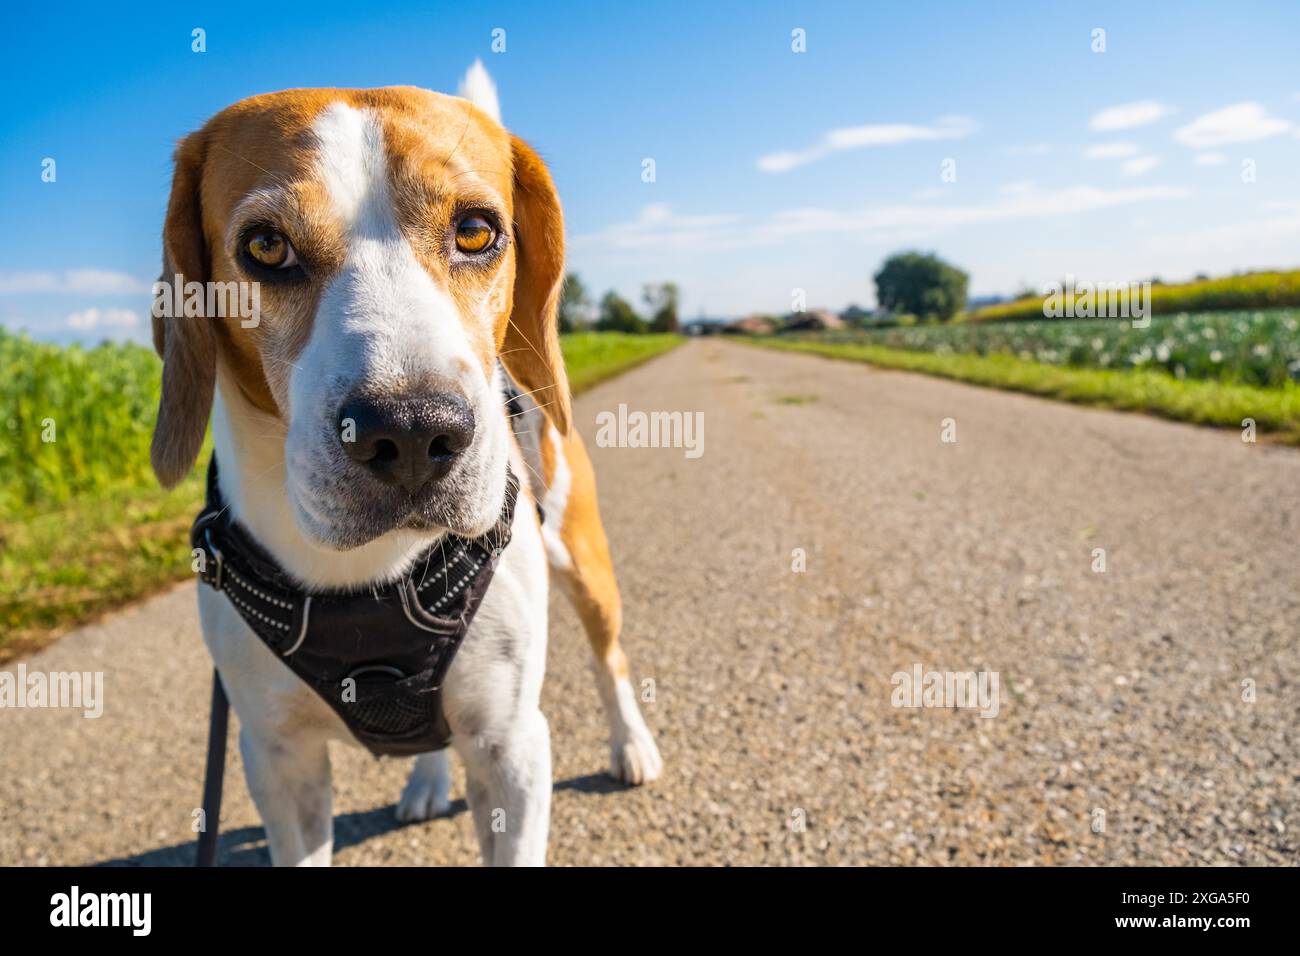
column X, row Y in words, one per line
column 219, row 577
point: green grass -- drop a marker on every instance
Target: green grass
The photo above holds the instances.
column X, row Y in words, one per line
column 1275, row 410
column 88, row 556
column 1256, row 290
column 592, row 357
column 84, row 526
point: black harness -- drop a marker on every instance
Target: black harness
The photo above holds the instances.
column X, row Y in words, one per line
column 377, row 656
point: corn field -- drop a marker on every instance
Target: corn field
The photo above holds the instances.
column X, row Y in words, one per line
column 73, row 421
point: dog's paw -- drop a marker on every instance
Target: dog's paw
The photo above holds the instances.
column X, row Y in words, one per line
column 635, row 760
column 423, row 798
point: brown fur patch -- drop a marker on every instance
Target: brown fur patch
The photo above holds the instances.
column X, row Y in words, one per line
column 591, row 581
column 444, row 157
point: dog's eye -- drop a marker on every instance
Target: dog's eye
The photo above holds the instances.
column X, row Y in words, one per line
column 474, row 234
column 269, row 248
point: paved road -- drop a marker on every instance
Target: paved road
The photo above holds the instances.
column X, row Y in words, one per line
column 1120, row 692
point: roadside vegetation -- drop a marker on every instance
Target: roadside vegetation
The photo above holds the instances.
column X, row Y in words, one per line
column 1246, row 348
column 593, row 357
column 1253, row 290
column 1205, row 402
column 1214, row 351
column 920, row 289
column 84, row 526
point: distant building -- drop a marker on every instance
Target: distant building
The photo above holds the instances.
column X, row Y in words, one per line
column 704, row 326
column 750, row 325
column 856, row 315
column 816, row 320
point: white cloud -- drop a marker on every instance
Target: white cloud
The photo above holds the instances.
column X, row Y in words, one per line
column 1140, row 165
column 1111, row 150
column 1023, row 202
column 658, row 229
column 658, row 226
column 1289, row 206
column 859, row 137
column 1210, row 159
column 1033, row 149
column 1021, row 187
column 89, row 319
column 77, row 281
column 1239, row 123
column 1259, row 243
column 1129, row 115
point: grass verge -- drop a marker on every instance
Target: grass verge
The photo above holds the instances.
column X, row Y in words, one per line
column 1276, row 411
column 94, row 552
column 593, row 357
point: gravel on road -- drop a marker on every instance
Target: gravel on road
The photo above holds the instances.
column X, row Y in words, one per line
column 1147, row 713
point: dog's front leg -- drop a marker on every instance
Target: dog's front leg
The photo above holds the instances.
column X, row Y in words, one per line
column 289, row 780
column 428, row 790
column 508, row 786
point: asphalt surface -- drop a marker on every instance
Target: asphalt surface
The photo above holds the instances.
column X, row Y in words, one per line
column 1122, row 736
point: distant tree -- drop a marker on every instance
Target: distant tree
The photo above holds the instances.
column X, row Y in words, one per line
column 921, row 284
column 617, row 315
column 661, row 300
column 574, row 304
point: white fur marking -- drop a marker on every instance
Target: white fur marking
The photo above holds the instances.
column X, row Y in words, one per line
column 478, row 88
column 555, row 503
column 352, row 163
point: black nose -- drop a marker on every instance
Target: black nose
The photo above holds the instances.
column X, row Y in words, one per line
column 406, row 441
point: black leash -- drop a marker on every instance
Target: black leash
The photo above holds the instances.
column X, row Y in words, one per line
column 213, row 775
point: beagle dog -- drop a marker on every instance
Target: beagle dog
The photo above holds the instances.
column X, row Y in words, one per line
column 408, row 253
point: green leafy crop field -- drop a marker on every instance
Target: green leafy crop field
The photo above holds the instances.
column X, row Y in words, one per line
column 1246, row 348
column 1219, row 368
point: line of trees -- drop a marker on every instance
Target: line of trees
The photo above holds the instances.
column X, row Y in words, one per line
column 907, row 283
column 614, row 313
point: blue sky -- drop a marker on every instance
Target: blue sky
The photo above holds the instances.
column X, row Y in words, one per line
column 774, row 170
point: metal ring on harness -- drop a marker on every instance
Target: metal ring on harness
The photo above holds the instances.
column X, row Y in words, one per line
column 373, row 668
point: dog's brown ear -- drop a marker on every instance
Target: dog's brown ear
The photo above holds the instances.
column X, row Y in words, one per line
column 531, row 349
column 186, row 343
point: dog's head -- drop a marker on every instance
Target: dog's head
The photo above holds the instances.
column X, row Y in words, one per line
column 401, row 241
